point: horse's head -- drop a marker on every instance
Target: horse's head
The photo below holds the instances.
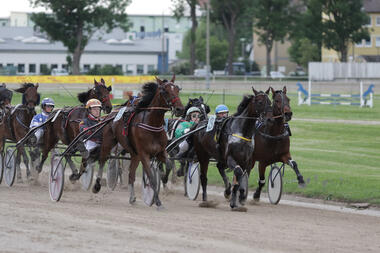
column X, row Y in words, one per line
column 30, row 96
column 5, row 95
column 197, row 102
column 102, row 93
column 281, row 104
column 262, row 102
column 170, row 94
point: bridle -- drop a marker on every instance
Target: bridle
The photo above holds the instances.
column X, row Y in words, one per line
column 282, row 109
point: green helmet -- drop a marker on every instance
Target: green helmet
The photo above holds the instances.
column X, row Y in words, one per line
column 192, row 109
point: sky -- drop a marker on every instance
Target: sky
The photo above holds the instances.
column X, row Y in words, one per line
column 136, row 7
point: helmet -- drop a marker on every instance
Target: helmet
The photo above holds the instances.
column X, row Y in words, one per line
column 47, row 101
column 192, row 109
column 221, row 108
column 93, row 103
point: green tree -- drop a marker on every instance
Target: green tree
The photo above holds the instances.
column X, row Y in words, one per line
column 218, row 46
column 344, row 25
column 272, row 22
column 180, row 7
column 303, row 51
column 306, row 33
column 73, row 22
column 229, row 13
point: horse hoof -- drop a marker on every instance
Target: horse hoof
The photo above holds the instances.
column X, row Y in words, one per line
column 208, row 204
column 132, row 200
column 239, row 209
column 227, row 195
column 97, row 186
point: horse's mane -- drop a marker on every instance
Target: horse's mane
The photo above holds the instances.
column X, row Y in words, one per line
column 82, row 97
column 24, row 87
column 243, row 104
column 148, row 91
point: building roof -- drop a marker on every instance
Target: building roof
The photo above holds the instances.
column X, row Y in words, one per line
column 24, row 39
column 371, row 6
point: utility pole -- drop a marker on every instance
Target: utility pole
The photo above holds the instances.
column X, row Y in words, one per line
column 208, row 45
column 163, row 46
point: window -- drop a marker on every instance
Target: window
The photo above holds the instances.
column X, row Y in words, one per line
column 369, row 21
column 21, row 68
column 86, row 67
column 120, row 67
column 54, row 66
column 377, row 20
column 142, row 29
column 368, row 43
column 65, row 66
column 140, row 69
column 150, row 69
column 10, row 65
column 44, row 70
column 1, row 65
column 32, row 68
column 129, row 70
column 377, row 41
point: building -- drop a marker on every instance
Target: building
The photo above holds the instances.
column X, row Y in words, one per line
column 366, row 50
column 31, row 54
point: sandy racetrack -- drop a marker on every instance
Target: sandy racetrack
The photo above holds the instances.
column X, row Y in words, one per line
column 84, row 222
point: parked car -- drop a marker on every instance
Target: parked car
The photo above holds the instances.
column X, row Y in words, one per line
column 276, row 74
column 59, row 72
column 238, row 68
column 201, row 73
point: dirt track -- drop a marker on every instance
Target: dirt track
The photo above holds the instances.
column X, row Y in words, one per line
column 84, row 222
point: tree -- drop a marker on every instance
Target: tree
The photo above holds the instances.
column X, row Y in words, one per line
column 180, row 8
column 344, row 24
column 74, row 22
column 218, row 46
column 229, row 13
column 306, row 33
column 272, row 22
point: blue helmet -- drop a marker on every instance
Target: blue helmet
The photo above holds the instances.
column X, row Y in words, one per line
column 221, row 108
column 47, row 101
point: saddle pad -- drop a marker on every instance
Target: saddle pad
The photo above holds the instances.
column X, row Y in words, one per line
column 120, row 114
column 210, row 123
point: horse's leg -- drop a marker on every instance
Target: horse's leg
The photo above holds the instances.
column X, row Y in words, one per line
column 145, row 160
column 18, row 163
column 26, row 162
column 168, row 169
column 262, row 167
column 238, row 174
column 132, row 176
column 204, row 168
column 227, row 185
column 294, row 166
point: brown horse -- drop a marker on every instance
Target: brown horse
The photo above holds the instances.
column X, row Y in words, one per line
column 17, row 121
column 65, row 126
column 234, row 145
column 273, row 143
column 141, row 133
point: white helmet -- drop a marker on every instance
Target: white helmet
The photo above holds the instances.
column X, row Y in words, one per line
column 192, row 109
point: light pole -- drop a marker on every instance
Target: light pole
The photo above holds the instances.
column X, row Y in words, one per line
column 242, row 40
column 208, row 45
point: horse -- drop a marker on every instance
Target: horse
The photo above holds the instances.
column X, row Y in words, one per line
column 17, row 121
column 233, row 147
column 273, row 144
column 171, row 127
column 141, row 133
column 63, row 125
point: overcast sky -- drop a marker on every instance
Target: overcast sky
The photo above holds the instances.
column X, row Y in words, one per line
column 136, row 7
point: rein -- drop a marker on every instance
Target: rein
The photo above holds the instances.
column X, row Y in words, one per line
column 276, row 137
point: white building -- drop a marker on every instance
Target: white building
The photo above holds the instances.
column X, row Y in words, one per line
column 30, row 52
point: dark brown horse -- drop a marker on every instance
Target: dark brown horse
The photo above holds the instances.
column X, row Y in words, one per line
column 65, row 126
column 234, row 148
column 272, row 141
column 17, row 121
column 141, row 133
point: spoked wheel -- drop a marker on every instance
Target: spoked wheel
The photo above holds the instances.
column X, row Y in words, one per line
column 10, row 166
column 1, row 166
column 192, row 180
column 56, row 178
column 112, row 173
column 87, row 176
column 275, row 184
column 147, row 189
